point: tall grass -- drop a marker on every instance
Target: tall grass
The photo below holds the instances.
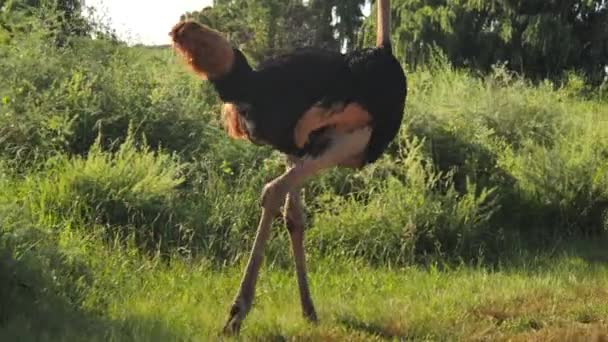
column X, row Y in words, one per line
column 59, row 99
column 99, row 134
column 543, row 148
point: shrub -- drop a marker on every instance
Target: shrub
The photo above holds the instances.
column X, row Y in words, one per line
column 412, row 213
column 545, row 151
column 128, row 192
column 59, row 99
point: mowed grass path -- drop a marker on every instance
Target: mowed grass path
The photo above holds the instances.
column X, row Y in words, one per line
column 562, row 297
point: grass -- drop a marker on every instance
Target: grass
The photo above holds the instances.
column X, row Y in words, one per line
column 559, row 297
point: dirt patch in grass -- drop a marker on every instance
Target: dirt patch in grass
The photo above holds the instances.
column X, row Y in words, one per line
column 577, row 315
column 575, row 332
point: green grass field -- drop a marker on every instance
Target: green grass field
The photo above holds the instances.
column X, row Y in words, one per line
column 554, row 296
column 126, row 214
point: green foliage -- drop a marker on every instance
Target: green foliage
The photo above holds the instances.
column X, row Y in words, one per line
column 110, row 154
column 413, row 213
column 64, row 18
column 58, row 99
column 266, row 27
column 121, row 196
column 540, row 39
column 477, row 162
column 127, row 194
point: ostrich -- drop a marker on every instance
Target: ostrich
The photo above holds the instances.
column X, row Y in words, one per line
column 322, row 109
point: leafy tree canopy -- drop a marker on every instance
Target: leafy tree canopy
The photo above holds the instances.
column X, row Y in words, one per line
column 267, row 27
column 65, row 16
column 539, row 38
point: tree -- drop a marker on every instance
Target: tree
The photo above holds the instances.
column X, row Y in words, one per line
column 268, row 27
column 349, row 21
column 539, row 38
column 245, row 22
column 63, row 16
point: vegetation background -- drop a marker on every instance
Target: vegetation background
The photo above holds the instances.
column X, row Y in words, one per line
column 127, row 214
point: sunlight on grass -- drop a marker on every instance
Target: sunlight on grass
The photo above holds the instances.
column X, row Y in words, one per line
column 145, row 301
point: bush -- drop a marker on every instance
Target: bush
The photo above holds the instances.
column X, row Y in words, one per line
column 59, row 99
column 545, row 151
column 409, row 215
column 130, row 193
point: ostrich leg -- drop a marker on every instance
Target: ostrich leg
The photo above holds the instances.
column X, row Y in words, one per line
column 343, row 147
column 295, row 220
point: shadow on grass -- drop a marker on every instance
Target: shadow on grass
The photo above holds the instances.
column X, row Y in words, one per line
column 40, row 304
column 577, row 251
column 372, row 328
column 593, row 251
